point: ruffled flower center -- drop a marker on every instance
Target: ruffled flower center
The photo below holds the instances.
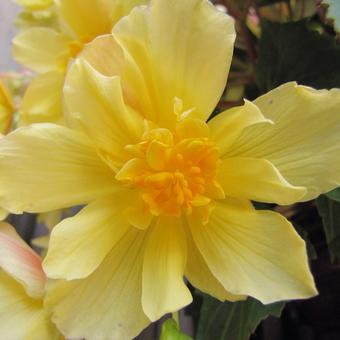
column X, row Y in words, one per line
column 173, row 174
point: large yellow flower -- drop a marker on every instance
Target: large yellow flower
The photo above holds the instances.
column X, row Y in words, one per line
column 22, row 288
column 169, row 194
column 48, row 51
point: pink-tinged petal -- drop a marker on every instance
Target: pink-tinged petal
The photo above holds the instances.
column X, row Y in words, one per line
column 19, row 261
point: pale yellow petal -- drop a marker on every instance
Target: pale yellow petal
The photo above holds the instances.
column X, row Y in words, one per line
column 35, row 4
column 42, row 328
column 304, row 142
column 46, row 167
column 255, row 253
column 41, row 49
column 79, row 244
column 42, row 101
column 107, row 304
column 256, row 179
column 3, row 214
column 17, row 309
column 6, row 109
column 182, row 36
column 95, row 101
column 90, row 18
column 19, row 261
column 201, row 277
column 108, row 58
column 227, row 126
column 164, row 290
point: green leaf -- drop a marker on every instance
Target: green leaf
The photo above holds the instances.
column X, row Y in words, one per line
column 233, row 320
column 329, row 211
column 295, row 52
column 334, row 194
column 170, row 331
column 333, row 12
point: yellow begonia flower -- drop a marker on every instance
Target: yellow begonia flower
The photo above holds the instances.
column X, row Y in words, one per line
column 48, row 51
column 169, row 195
column 22, row 288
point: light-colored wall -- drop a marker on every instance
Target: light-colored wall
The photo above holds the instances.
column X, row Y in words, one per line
column 8, row 12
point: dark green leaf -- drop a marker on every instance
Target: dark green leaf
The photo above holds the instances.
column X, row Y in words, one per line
column 334, row 194
column 233, row 320
column 329, row 211
column 294, row 52
column 170, row 331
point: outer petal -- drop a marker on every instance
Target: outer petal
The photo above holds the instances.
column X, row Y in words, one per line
column 17, row 310
column 256, row 179
column 3, row 214
column 42, row 101
column 90, row 18
column 164, row 290
column 61, row 169
column 41, row 49
column 42, row 328
column 255, row 253
column 113, row 126
column 18, row 260
column 79, row 244
column 227, row 126
column 200, row 276
column 304, row 142
column 181, row 35
column 107, row 304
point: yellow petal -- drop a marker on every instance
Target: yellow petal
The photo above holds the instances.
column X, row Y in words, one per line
column 41, row 49
column 6, row 109
column 61, row 170
column 3, row 214
column 192, row 128
column 42, row 328
column 19, row 261
column 138, row 214
column 95, row 101
column 108, row 58
column 164, row 262
column 304, row 142
column 255, row 253
column 182, row 36
column 79, row 244
column 17, row 310
column 35, row 4
column 42, row 101
column 258, row 180
column 227, row 126
column 200, row 276
column 107, row 304
column 89, row 18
